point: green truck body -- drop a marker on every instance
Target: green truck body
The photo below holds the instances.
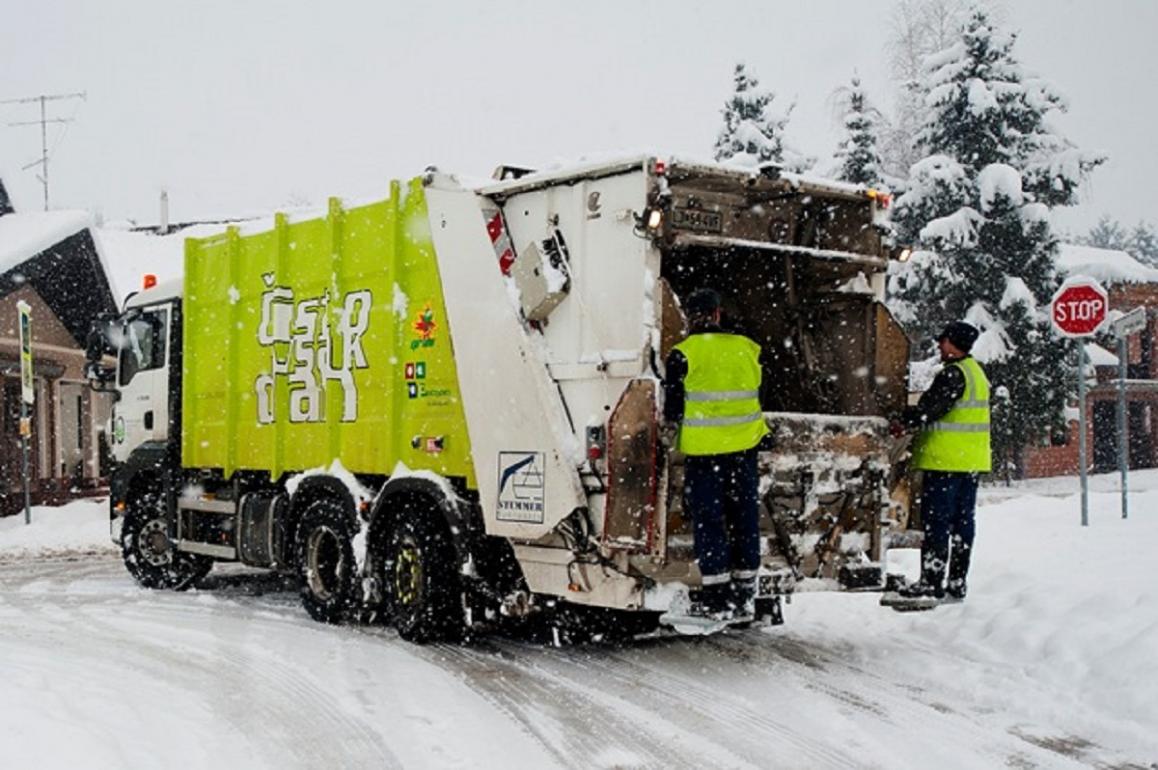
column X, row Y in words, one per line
column 322, row 340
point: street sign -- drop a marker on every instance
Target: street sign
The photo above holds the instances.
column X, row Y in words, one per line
column 1130, row 323
column 1079, row 307
column 28, row 393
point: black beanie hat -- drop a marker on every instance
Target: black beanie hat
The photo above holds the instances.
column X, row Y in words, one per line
column 961, row 334
column 702, row 302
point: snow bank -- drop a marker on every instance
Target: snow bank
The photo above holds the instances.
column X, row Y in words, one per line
column 1059, row 630
column 81, row 526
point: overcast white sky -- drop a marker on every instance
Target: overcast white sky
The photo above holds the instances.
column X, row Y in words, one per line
column 241, row 107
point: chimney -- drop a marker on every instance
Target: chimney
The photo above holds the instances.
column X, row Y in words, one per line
column 163, row 229
column 5, row 201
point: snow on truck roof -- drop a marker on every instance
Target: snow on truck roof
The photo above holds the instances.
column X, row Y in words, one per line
column 599, row 166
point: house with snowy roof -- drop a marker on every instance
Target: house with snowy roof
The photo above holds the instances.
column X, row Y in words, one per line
column 1129, row 284
column 52, row 261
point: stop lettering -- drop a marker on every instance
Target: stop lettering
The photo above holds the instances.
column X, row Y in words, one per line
column 1079, row 308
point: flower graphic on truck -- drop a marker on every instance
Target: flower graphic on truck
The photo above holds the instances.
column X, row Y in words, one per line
column 425, row 326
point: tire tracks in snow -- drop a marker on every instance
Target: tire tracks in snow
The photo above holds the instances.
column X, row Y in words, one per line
column 580, row 726
column 266, row 699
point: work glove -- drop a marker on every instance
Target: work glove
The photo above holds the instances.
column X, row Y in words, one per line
column 669, row 435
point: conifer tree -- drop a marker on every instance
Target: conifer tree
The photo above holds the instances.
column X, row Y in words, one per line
column 978, row 209
column 1143, row 244
column 860, row 163
column 1107, row 234
column 753, row 133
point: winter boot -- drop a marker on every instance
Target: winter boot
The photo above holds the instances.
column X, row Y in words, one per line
column 743, row 599
column 955, row 591
column 920, row 590
column 959, row 553
column 713, row 601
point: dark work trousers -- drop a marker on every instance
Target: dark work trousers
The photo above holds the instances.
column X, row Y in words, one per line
column 721, row 494
column 947, row 506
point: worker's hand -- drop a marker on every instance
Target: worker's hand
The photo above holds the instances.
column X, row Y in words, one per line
column 669, row 435
column 896, row 429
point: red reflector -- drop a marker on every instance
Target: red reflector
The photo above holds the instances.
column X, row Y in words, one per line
column 660, row 168
column 885, row 199
column 594, row 452
column 495, row 227
column 150, row 280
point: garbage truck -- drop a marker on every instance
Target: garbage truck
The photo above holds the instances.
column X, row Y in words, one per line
column 442, row 408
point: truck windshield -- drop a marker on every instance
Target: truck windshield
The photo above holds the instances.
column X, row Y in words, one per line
column 143, row 345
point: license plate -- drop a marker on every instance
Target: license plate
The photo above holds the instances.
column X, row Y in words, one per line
column 697, row 219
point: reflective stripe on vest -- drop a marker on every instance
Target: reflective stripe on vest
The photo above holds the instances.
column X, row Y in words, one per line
column 721, row 395
column 959, row 441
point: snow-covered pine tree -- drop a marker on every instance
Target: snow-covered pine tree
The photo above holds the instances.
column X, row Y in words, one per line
column 978, row 209
column 1143, row 244
column 753, row 133
column 1107, row 234
column 860, row 163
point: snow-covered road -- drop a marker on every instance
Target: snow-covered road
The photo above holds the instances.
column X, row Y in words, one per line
column 1049, row 664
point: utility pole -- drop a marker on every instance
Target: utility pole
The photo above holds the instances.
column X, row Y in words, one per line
column 43, row 99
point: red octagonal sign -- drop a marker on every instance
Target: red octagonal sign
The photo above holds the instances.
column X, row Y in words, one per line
column 1079, row 307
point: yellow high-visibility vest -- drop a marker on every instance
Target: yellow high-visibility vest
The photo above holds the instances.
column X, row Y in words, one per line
column 959, row 441
column 722, row 395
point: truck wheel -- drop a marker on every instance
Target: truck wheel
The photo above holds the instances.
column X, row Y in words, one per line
column 149, row 554
column 325, row 561
column 421, row 580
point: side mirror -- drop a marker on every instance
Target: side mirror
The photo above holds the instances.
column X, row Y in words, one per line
column 96, row 348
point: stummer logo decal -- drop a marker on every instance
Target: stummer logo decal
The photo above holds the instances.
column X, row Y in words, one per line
column 311, row 348
column 521, row 486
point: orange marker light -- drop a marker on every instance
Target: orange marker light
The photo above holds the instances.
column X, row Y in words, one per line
column 150, row 280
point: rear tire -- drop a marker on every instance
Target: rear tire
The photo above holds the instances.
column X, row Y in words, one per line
column 149, row 555
column 420, row 577
column 325, row 563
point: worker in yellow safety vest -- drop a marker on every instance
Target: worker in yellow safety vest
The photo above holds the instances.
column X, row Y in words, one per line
column 952, row 449
column 712, row 396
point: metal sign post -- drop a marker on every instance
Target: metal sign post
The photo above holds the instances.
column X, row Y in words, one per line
column 1134, row 321
column 1082, row 472
column 1078, row 310
column 27, row 396
column 1123, row 461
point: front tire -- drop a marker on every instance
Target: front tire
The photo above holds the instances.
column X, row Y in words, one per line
column 150, row 556
column 326, row 567
column 421, row 579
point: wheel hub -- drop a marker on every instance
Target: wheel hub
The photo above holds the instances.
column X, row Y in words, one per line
column 153, row 543
column 408, row 575
column 325, row 564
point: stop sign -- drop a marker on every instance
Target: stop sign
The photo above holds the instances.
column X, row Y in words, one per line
column 1079, row 307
